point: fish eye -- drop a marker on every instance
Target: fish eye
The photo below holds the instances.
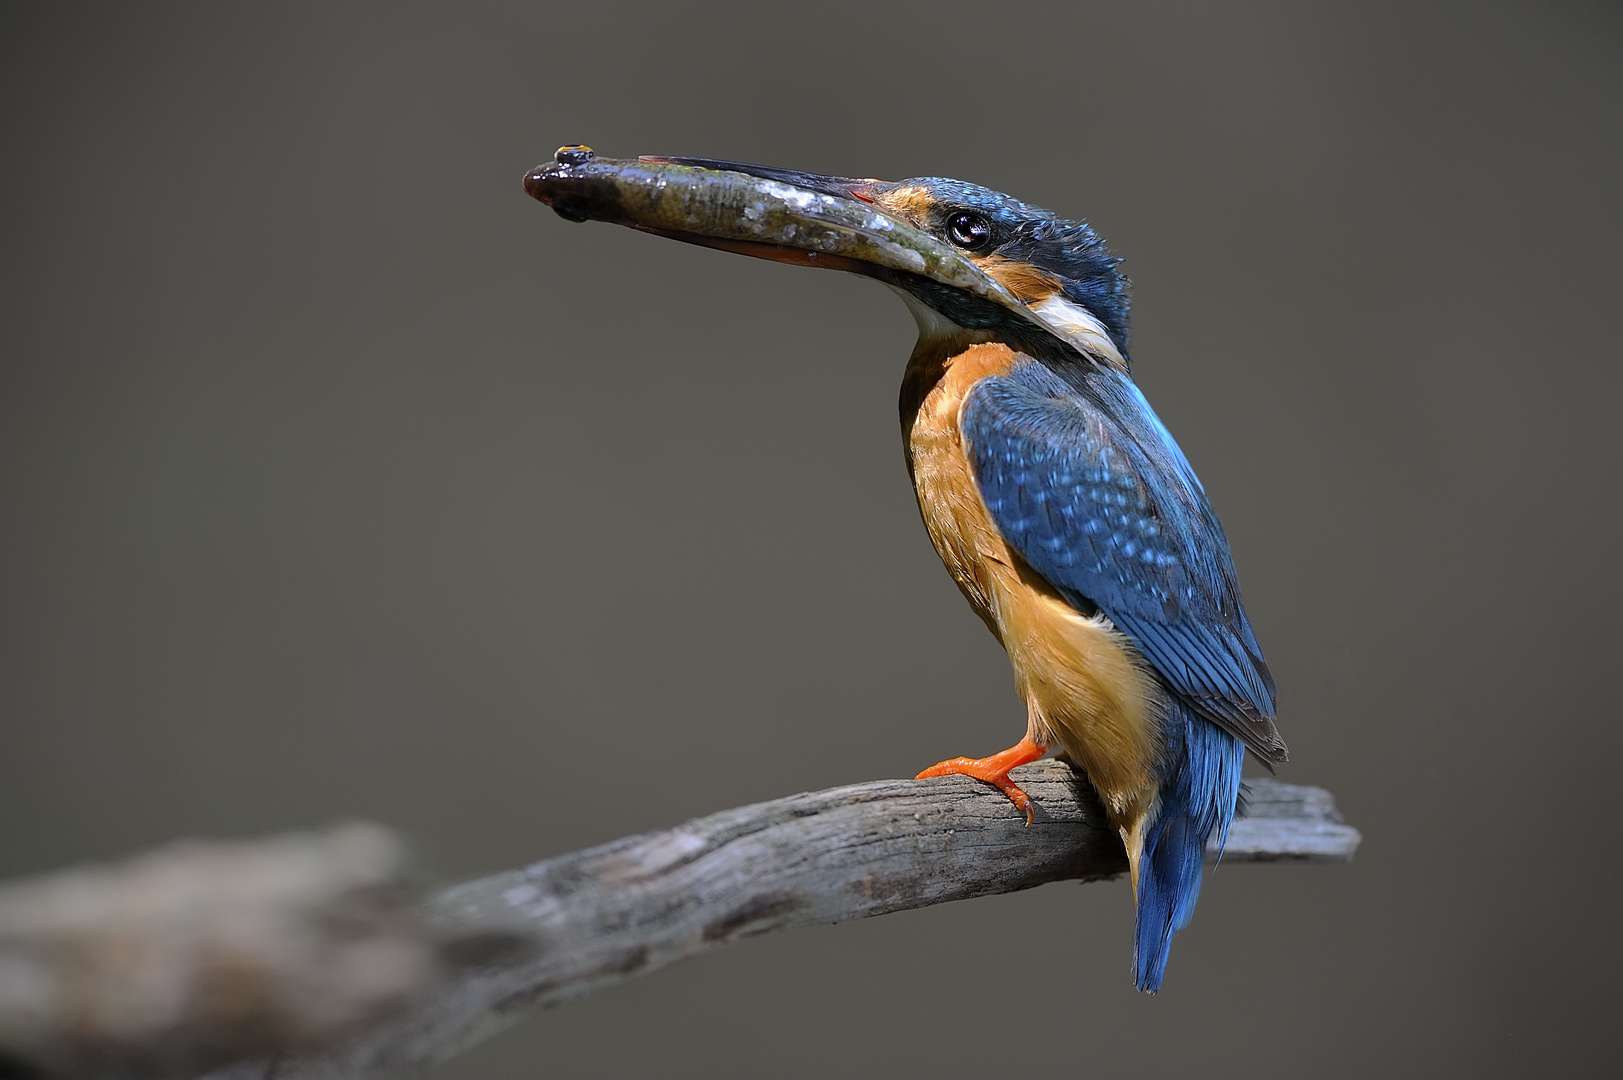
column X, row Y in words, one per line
column 969, row 231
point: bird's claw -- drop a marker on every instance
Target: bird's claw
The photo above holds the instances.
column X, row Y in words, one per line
column 993, row 770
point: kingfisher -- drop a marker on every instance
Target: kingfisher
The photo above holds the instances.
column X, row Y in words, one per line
column 1057, row 500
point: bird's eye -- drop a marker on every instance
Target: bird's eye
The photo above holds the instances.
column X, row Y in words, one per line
column 969, row 231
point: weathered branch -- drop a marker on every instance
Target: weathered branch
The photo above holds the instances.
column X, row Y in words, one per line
column 181, row 959
column 199, row 954
column 601, row 916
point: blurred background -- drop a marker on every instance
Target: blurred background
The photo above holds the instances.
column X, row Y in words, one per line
column 341, row 479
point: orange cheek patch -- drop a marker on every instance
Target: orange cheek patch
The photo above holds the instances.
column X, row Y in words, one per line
column 913, row 203
column 1029, row 284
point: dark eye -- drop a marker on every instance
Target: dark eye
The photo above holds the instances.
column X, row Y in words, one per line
column 969, row 231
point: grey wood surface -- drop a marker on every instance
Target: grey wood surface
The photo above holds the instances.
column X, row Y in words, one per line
column 598, row 917
column 200, row 953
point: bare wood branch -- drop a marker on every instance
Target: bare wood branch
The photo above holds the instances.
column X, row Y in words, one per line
column 203, row 953
column 627, row 908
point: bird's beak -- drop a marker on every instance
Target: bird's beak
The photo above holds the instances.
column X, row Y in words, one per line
column 776, row 214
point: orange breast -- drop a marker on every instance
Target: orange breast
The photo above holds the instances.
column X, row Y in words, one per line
column 1086, row 689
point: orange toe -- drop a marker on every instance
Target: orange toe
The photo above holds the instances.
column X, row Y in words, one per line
column 995, row 770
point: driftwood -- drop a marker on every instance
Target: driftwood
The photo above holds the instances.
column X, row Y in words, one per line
column 598, row 917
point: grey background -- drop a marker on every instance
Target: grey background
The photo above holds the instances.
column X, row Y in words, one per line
column 339, row 478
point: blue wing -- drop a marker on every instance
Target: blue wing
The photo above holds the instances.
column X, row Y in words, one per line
column 1088, row 487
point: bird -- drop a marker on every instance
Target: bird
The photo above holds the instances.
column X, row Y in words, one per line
column 1053, row 494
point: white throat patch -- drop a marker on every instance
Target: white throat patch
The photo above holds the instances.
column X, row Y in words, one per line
column 1067, row 321
column 934, row 327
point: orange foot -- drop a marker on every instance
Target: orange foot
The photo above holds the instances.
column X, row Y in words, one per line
column 995, row 770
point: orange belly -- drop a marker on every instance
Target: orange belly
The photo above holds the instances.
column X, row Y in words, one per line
column 1086, row 688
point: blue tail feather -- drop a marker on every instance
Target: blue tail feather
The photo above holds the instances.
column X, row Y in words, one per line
column 1198, row 793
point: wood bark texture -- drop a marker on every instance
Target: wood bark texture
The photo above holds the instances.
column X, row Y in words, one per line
column 594, row 918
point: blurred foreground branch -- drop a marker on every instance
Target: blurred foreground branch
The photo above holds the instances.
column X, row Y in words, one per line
column 199, row 954
column 579, row 922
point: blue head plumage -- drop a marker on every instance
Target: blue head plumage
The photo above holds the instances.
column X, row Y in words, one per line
column 1001, row 231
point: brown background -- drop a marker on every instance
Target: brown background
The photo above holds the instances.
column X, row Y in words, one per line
column 341, row 479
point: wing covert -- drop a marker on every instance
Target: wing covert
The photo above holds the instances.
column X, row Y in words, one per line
column 1089, row 488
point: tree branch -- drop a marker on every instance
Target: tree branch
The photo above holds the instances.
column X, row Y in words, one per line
column 598, row 917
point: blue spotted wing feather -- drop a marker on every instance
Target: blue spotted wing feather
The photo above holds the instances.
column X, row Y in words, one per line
column 1088, row 487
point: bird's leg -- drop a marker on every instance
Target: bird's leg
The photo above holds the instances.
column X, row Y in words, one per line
column 995, row 770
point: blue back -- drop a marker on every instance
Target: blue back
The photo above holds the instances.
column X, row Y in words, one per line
column 1086, row 484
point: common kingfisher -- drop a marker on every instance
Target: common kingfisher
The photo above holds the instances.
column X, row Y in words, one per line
column 1059, row 503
